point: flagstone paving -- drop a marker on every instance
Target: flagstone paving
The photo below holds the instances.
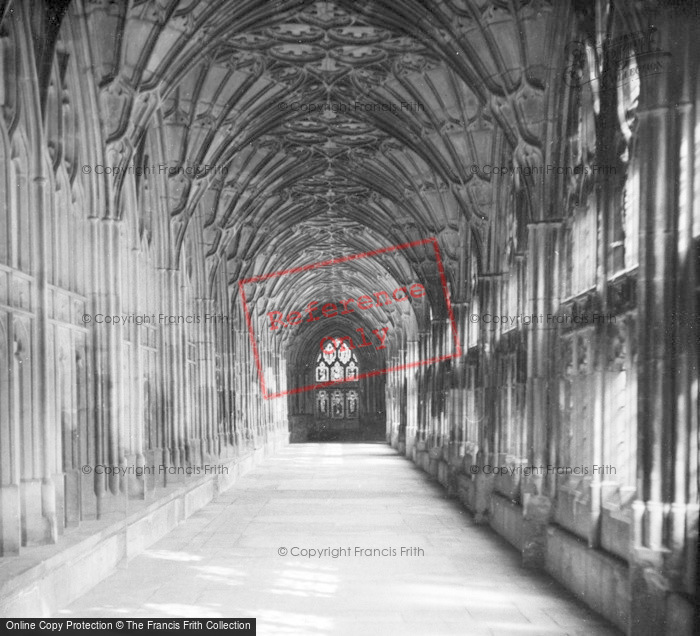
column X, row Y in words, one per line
column 247, row 554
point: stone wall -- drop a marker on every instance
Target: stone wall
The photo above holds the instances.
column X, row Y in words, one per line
column 121, row 348
column 581, row 353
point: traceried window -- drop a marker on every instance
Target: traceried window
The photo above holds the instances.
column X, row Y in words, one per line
column 337, row 363
column 322, row 403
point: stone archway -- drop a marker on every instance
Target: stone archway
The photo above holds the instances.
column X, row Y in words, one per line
column 336, row 392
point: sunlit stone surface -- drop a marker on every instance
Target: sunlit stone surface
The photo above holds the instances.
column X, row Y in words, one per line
column 224, row 561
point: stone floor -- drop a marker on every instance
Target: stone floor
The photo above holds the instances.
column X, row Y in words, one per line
column 225, row 561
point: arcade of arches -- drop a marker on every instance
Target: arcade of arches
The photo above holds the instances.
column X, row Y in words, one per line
column 176, row 174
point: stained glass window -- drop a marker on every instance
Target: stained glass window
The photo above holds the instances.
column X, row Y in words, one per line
column 321, row 373
column 344, row 353
column 337, row 363
column 329, row 352
column 322, row 402
column 337, row 371
column 351, row 403
column 337, row 405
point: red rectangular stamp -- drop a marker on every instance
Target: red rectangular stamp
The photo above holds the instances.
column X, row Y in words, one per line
column 278, row 322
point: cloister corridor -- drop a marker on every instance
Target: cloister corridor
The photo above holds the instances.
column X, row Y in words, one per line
column 279, row 276
column 224, row 561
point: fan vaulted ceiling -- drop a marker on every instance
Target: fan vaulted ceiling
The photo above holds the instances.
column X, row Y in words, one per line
column 333, row 127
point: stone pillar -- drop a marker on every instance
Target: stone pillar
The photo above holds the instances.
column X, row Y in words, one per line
column 37, row 492
column 461, row 310
column 108, row 359
column 665, row 512
column 227, row 335
column 424, row 396
column 437, row 387
column 47, row 530
column 209, row 308
column 490, row 293
column 137, row 485
column 10, row 450
column 115, row 403
column 542, row 286
column 239, row 383
column 178, row 344
column 411, row 397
